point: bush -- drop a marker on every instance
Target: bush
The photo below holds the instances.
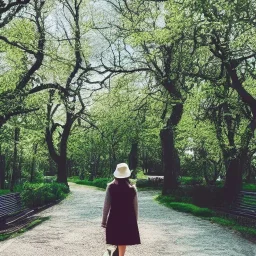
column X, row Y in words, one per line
column 39, row 194
column 141, row 175
column 100, row 182
column 206, row 196
column 249, row 187
column 142, row 183
column 183, row 194
column 191, row 181
column 202, row 196
column 155, row 182
column 4, row 191
column 50, row 179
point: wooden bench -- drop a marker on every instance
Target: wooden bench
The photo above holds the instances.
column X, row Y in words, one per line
column 242, row 209
column 12, row 209
column 244, row 205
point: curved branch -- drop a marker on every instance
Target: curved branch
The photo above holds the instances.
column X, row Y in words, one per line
column 15, row 44
column 10, row 5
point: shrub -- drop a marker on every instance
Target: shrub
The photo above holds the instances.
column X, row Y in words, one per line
column 100, row 182
column 191, row 181
column 206, row 196
column 39, row 194
column 141, row 175
column 50, row 179
column 154, row 182
column 142, row 183
column 4, row 191
column 249, row 187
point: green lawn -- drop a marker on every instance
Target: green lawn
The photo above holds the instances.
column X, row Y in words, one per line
column 249, row 187
column 170, row 202
column 28, row 227
column 206, row 213
column 4, row 191
column 141, row 175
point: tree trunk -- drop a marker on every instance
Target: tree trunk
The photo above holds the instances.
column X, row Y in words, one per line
column 234, row 175
column 20, row 166
column 62, row 169
column 133, row 159
column 233, row 181
column 2, row 172
column 170, row 163
column 15, row 172
column 33, row 166
column 61, row 158
column 249, row 177
column 52, row 168
column 62, row 176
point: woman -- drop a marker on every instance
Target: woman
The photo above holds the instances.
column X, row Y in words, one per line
column 120, row 212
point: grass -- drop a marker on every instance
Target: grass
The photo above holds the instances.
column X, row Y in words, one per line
column 21, row 231
column 184, row 180
column 249, row 187
column 148, row 188
column 170, row 202
column 245, row 187
column 4, row 191
column 100, row 183
column 230, row 223
column 141, row 175
column 206, row 213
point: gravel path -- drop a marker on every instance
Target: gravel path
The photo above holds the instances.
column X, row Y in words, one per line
column 74, row 230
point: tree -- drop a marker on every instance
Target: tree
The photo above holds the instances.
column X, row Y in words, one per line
column 142, row 29
column 15, row 82
column 227, row 38
column 72, row 71
column 10, row 10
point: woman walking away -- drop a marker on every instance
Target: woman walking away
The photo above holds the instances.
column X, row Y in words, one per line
column 120, row 212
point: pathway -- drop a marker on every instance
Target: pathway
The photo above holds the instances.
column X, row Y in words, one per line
column 74, row 230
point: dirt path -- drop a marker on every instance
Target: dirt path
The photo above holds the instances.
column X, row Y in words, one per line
column 74, row 229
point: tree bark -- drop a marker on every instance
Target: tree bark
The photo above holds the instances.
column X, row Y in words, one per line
column 171, row 161
column 52, row 168
column 62, row 159
column 133, row 159
column 20, row 166
column 234, row 174
column 33, row 166
column 62, row 169
column 15, row 172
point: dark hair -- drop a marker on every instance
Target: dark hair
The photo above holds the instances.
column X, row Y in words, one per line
column 123, row 181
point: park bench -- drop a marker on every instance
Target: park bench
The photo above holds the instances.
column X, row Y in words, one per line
column 12, row 210
column 243, row 208
column 244, row 205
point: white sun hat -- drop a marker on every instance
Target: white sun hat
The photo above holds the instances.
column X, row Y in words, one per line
column 122, row 171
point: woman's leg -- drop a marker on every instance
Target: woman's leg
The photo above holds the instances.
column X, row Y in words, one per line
column 121, row 250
